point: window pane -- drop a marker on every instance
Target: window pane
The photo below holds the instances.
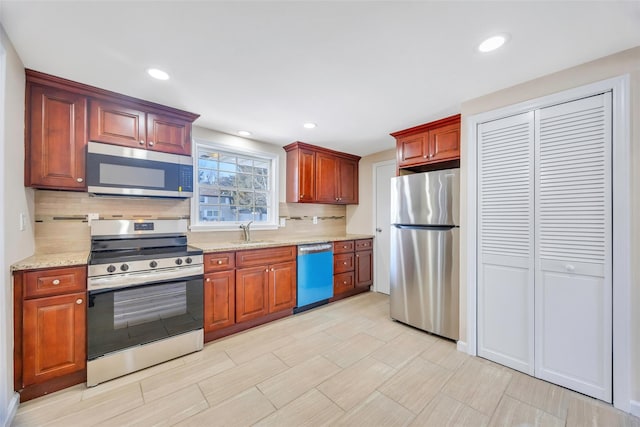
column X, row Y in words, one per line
column 232, row 187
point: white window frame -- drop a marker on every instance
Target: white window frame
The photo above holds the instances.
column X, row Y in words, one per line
column 272, row 221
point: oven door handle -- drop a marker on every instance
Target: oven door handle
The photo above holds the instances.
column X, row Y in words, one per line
column 142, row 278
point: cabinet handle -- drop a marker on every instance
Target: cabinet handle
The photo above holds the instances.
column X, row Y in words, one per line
column 56, row 282
column 219, row 261
column 79, row 301
column 150, row 143
column 79, row 179
column 142, row 142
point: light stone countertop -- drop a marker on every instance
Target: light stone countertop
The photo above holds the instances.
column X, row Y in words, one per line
column 70, row 259
column 62, row 259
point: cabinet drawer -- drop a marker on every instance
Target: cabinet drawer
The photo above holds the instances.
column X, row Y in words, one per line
column 265, row 256
column 55, row 281
column 342, row 263
column 364, row 244
column 343, row 282
column 342, row 247
column 219, row 261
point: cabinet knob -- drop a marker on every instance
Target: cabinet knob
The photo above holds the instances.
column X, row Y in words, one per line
column 424, row 157
column 302, row 196
column 345, row 263
column 357, row 256
column 267, row 270
column 208, row 279
column 79, row 179
column 150, row 143
column 344, row 283
column 79, row 301
column 142, row 142
column 273, row 269
column 345, row 246
column 219, row 261
column 56, row 282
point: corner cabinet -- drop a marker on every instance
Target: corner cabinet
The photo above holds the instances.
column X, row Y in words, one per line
column 49, row 330
column 430, row 145
column 61, row 116
column 318, row 175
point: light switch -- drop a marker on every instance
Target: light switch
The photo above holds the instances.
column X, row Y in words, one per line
column 283, row 222
column 23, row 221
column 315, row 219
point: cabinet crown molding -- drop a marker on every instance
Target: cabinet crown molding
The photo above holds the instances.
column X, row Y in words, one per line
column 427, row 126
column 304, row 145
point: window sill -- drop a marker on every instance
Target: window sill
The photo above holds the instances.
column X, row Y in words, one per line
column 230, row 227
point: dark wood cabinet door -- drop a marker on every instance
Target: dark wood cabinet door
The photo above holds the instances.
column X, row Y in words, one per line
column 252, row 293
column 347, row 182
column 326, row 166
column 219, row 300
column 413, row 149
column 307, row 175
column 364, row 268
column 57, row 139
column 168, row 135
column 113, row 123
column 444, row 143
column 54, row 330
column 282, row 286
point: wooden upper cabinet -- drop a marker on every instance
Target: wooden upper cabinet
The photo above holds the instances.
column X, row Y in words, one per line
column 61, row 116
column 318, row 175
column 56, row 137
column 116, row 124
column 301, row 162
column 168, row 135
column 422, row 146
column 120, row 124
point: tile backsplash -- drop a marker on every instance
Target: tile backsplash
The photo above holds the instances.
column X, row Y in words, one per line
column 61, row 219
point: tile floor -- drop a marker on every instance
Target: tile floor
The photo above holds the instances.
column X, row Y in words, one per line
column 343, row 364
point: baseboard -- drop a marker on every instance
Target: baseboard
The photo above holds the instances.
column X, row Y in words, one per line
column 12, row 409
column 635, row 408
column 462, row 346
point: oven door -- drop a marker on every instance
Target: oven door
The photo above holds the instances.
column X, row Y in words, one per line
column 120, row 318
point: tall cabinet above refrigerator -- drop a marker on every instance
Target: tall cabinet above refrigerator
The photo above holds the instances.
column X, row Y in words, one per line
column 425, row 236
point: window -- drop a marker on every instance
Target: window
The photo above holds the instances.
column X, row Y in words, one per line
column 233, row 188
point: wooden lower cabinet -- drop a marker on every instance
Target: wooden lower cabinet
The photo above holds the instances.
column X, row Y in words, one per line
column 219, row 300
column 50, row 318
column 252, row 293
column 352, row 267
column 282, row 286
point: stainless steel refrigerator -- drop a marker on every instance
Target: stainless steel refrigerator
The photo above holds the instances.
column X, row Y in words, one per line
column 425, row 241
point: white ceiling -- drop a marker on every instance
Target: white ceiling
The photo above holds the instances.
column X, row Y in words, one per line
column 358, row 69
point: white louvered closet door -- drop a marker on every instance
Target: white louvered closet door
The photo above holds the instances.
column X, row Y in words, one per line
column 573, row 306
column 505, row 241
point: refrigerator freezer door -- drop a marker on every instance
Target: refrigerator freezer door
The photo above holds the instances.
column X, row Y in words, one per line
column 425, row 278
column 429, row 198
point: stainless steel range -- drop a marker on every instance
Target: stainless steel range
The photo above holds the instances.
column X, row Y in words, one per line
column 145, row 296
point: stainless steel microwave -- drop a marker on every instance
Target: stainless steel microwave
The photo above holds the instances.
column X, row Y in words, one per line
column 118, row 170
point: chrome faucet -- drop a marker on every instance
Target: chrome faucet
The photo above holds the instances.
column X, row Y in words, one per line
column 247, row 231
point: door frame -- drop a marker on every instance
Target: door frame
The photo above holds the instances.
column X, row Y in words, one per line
column 621, row 192
column 374, row 168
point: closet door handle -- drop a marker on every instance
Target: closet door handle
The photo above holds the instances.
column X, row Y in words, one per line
column 570, row 268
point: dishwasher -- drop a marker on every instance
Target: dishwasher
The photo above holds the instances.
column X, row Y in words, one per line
column 315, row 275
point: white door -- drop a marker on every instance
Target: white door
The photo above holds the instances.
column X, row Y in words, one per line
column 505, row 241
column 573, row 300
column 382, row 174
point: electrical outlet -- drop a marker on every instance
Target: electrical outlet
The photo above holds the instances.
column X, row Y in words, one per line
column 23, row 221
column 315, row 219
column 283, row 222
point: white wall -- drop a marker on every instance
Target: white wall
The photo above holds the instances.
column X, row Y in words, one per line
column 360, row 217
column 14, row 199
column 626, row 62
column 249, row 145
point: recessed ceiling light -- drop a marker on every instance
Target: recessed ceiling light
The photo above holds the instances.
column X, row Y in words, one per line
column 158, row 74
column 309, row 125
column 244, row 133
column 492, row 43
